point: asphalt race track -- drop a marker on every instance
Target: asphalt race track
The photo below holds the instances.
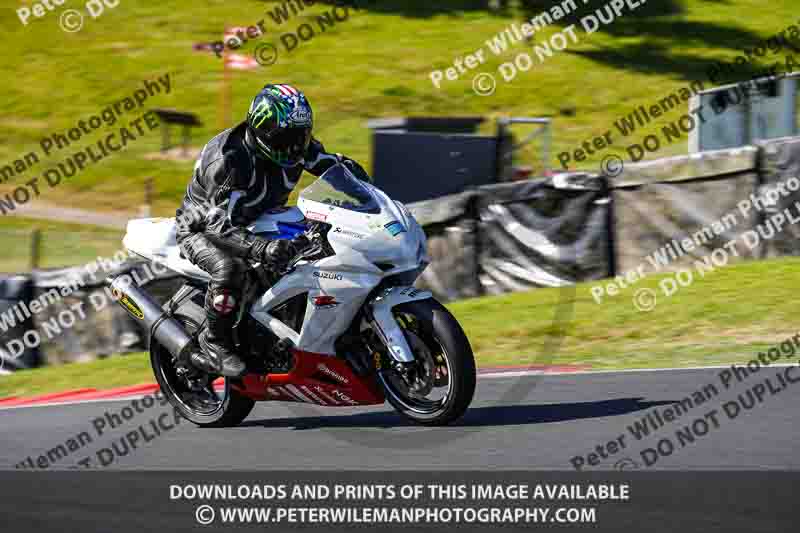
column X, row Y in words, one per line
column 554, row 419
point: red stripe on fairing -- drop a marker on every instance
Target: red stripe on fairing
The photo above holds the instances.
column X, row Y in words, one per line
column 330, row 399
column 317, row 399
column 281, row 394
column 298, row 393
column 289, row 395
column 306, row 373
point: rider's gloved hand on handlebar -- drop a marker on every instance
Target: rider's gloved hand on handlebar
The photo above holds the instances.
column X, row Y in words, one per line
column 300, row 243
column 277, row 254
column 353, row 166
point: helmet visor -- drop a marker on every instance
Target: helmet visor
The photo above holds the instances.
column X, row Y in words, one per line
column 285, row 147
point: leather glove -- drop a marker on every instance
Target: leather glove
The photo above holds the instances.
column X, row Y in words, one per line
column 300, row 243
column 353, row 166
column 277, row 254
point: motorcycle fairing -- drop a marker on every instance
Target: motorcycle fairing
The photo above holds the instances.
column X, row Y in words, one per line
column 362, row 239
column 155, row 238
column 316, row 379
column 370, row 245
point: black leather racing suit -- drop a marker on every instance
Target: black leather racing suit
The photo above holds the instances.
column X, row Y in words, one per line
column 205, row 234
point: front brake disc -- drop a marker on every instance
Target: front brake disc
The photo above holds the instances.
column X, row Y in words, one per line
column 426, row 367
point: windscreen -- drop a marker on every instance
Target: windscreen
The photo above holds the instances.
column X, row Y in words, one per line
column 340, row 188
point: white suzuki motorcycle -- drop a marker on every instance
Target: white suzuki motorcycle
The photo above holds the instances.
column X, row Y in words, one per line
column 343, row 326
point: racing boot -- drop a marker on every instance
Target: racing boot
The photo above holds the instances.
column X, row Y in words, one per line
column 222, row 358
column 218, row 354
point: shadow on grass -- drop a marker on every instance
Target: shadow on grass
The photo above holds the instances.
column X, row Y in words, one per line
column 494, row 416
column 662, row 36
column 660, row 8
column 414, row 9
column 649, row 59
column 658, row 23
column 683, row 32
column 529, row 8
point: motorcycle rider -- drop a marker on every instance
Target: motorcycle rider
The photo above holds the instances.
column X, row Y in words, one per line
column 241, row 173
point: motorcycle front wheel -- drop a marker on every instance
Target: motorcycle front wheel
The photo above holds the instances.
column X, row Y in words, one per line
column 438, row 388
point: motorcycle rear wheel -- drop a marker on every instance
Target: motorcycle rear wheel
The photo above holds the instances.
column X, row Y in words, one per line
column 211, row 409
column 444, row 357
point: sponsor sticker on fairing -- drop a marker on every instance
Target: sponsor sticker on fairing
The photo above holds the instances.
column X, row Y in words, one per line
column 395, row 228
column 319, row 217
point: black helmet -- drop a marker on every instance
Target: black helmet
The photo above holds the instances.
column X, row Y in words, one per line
column 279, row 124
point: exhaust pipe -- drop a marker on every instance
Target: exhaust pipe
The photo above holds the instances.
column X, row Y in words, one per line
column 141, row 306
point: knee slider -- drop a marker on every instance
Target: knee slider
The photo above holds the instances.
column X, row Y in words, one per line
column 223, row 301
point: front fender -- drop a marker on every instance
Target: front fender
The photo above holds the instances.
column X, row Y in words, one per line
column 381, row 308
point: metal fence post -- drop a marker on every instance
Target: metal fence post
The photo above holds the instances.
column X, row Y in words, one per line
column 36, row 248
column 148, row 198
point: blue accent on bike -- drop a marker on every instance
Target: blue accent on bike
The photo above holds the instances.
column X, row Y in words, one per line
column 395, row 228
column 289, row 231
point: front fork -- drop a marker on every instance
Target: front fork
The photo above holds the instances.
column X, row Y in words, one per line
column 379, row 313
